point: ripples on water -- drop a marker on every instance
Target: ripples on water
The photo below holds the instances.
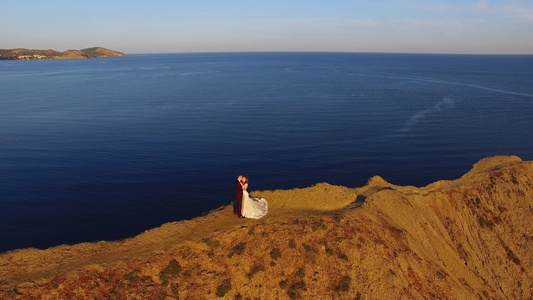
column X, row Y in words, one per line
column 107, row 148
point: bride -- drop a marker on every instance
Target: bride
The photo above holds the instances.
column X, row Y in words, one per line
column 253, row 208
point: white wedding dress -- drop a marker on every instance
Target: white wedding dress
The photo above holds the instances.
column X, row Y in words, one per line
column 253, row 208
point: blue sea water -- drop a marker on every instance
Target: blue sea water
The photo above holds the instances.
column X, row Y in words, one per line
column 104, row 149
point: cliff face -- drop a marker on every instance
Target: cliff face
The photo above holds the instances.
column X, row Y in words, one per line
column 470, row 238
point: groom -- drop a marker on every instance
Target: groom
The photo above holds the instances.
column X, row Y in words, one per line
column 237, row 206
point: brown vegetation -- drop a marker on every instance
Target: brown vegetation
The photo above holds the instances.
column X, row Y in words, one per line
column 470, row 238
column 29, row 54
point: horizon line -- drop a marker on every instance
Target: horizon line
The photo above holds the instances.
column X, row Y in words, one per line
column 320, row 51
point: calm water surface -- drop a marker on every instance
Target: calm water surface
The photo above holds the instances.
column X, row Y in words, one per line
column 104, row 149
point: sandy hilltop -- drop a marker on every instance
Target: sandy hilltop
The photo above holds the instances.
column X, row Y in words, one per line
column 469, row 238
column 30, row 54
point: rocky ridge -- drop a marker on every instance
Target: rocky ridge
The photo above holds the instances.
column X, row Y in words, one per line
column 469, row 238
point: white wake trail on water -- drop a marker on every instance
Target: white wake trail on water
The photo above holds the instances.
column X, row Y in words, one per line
column 446, row 103
column 36, row 74
column 421, row 79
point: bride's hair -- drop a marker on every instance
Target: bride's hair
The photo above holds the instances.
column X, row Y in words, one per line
column 244, row 180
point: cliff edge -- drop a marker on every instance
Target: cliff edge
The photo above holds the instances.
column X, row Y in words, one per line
column 469, row 238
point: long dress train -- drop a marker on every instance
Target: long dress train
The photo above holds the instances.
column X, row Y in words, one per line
column 252, row 207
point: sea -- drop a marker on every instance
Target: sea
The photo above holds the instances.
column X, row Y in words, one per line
column 104, row 149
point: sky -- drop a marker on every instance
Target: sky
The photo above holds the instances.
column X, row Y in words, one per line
column 176, row 26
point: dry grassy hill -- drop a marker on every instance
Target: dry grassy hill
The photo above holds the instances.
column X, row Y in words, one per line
column 31, row 54
column 470, row 238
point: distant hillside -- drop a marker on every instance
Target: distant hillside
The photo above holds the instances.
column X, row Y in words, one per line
column 470, row 238
column 29, row 54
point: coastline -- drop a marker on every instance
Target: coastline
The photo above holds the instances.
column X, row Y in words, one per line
column 33, row 54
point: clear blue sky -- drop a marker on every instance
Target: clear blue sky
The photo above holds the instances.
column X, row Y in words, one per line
column 158, row 26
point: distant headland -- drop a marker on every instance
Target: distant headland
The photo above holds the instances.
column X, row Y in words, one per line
column 29, row 54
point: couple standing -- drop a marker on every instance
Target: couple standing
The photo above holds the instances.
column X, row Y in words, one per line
column 246, row 206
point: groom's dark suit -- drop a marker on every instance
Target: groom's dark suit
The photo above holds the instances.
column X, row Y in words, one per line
column 237, row 207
